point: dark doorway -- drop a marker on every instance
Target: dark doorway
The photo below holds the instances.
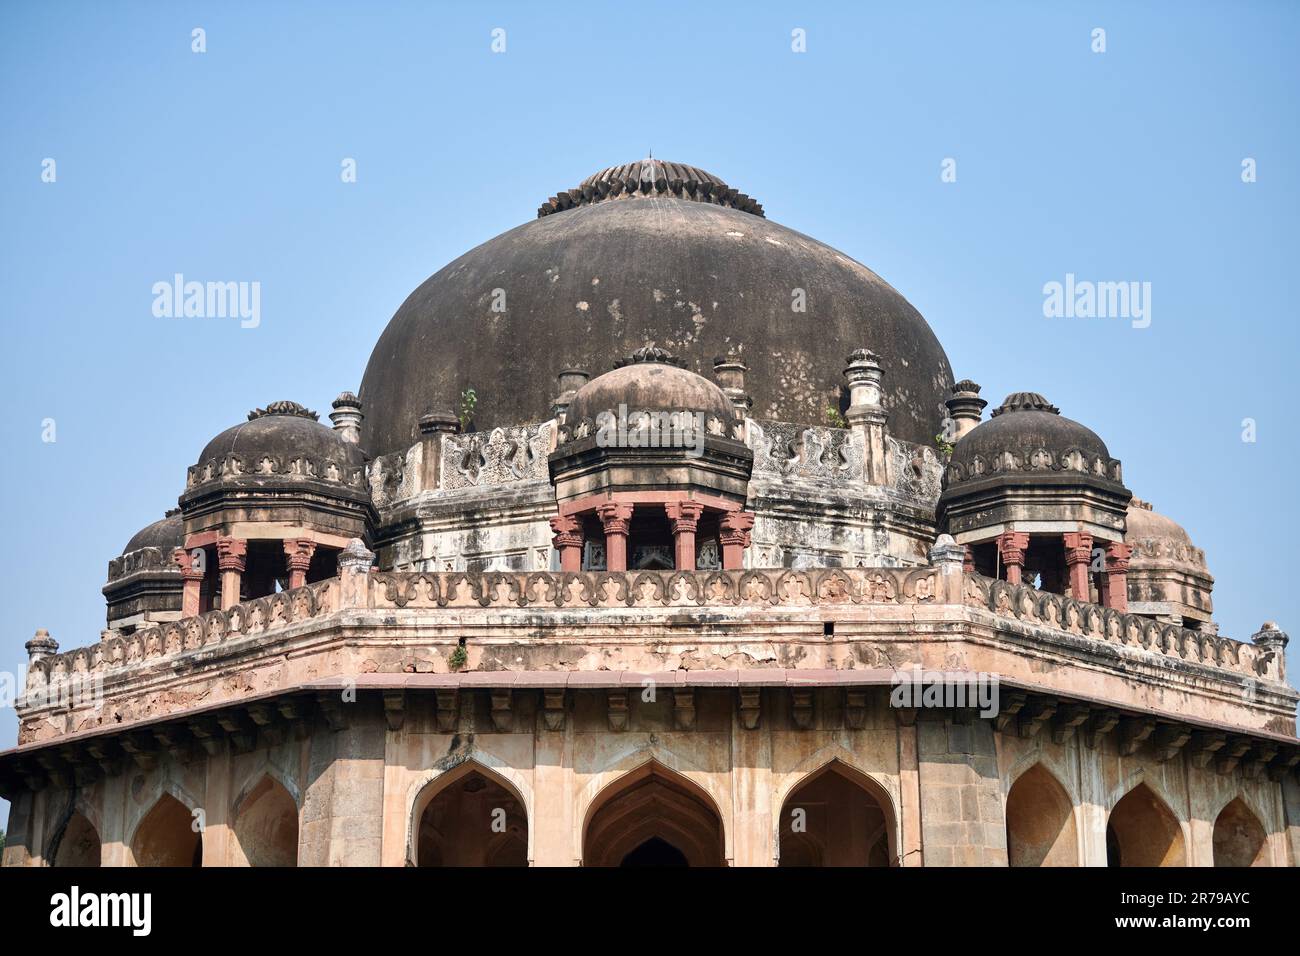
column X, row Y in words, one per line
column 655, row 852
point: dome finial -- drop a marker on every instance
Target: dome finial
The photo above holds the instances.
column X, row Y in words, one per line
column 283, row 408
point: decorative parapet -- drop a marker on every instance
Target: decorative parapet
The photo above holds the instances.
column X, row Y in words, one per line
column 500, row 457
column 232, row 466
column 916, row 471
column 156, row 561
column 816, row 453
column 1045, row 609
column 204, row 632
column 1035, row 460
column 940, row 583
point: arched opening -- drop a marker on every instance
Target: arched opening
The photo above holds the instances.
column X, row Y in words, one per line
column 1143, row 831
column 1040, row 822
column 79, row 844
column 837, row 817
column 1239, row 837
column 167, row 836
column 266, row 827
column 653, row 817
column 470, row 817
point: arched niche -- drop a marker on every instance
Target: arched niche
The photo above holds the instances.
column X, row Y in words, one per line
column 837, row 816
column 1239, row 837
column 470, row 816
column 653, row 816
column 1143, row 831
column 167, row 836
column 266, row 826
column 1041, row 828
column 79, row 843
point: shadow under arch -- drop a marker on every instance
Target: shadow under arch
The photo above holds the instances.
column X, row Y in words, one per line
column 652, row 815
column 1239, row 837
column 78, row 842
column 469, row 815
column 1040, row 820
column 265, row 830
column 166, row 836
column 1143, row 830
column 837, row 815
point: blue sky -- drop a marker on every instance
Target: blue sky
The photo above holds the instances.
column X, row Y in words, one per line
column 1118, row 166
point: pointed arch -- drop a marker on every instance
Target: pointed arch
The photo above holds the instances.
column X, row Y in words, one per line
column 167, row 836
column 1040, row 819
column 1239, row 837
column 468, row 815
column 78, row 843
column 648, row 814
column 265, row 831
column 1142, row 830
column 837, row 815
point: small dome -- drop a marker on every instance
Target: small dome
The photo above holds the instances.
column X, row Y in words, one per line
column 283, row 429
column 650, row 380
column 1029, row 433
column 166, row 533
column 1158, row 540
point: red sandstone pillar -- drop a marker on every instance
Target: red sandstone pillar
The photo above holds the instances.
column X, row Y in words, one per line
column 1117, row 557
column 232, row 554
column 567, row 531
column 616, row 517
column 299, row 552
column 684, row 518
column 1078, row 558
column 734, row 534
column 1011, row 546
column 193, row 582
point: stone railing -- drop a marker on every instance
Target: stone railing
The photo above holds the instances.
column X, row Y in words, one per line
column 203, row 632
column 813, row 453
column 1045, row 609
column 647, row 589
column 360, row 588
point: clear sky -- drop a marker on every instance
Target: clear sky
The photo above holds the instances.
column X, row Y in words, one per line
column 225, row 165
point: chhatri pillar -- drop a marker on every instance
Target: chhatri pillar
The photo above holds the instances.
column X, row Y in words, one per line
column 1078, row 558
column 192, row 578
column 616, row 517
column 299, row 552
column 734, row 528
column 567, row 540
column 683, row 519
column 1011, row 547
column 232, row 556
column 1116, row 578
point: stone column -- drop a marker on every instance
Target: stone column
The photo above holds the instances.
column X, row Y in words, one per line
column 684, row 518
column 354, row 564
column 1011, row 546
column 193, row 582
column 1078, row 557
column 567, row 540
column 232, row 556
column 567, row 382
column 867, row 414
column 347, row 417
column 433, row 426
column 1117, row 557
column 616, row 516
column 1268, row 637
column 965, row 409
column 734, row 528
column 730, row 374
column 299, row 552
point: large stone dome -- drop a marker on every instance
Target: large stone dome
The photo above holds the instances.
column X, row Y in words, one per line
column 648, row 253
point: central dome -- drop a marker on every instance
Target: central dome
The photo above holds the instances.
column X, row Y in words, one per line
column 666, row 254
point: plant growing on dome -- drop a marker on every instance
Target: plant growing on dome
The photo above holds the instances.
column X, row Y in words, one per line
column 945, row 447
column 834, row 419
column 468, row 402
